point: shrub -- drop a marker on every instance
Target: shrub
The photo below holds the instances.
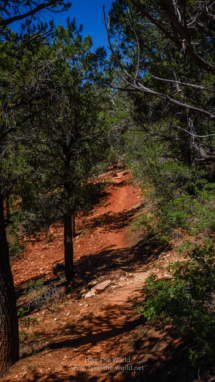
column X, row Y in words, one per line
column 187, row 300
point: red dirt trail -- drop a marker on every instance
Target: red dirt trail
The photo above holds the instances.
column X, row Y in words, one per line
column 91, row 339
column 39, row 257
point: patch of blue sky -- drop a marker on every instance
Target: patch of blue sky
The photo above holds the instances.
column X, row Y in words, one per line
column 88, row 13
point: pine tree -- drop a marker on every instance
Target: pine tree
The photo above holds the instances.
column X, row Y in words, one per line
column 70, row 137
column 18, row 93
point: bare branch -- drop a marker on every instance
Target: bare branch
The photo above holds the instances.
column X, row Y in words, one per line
column 6, row 133
column 184, row 84
column 194, row 135
column 37, row 9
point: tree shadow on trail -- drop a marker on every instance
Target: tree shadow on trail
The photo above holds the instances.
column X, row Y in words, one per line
column 112, row 329
column 113, row 221
column 102, row 264
column 130, row 259
column 149, row 362
column 113, row 333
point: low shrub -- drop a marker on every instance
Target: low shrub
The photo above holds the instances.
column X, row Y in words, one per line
column 186, row 301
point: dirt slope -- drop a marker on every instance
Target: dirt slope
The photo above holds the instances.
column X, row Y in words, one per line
column 97, row 338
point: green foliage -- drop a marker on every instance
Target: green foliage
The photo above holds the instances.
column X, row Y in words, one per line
column 187, row 300
column 182, row 196
column 22, row 312
column 153, row 231
column 25, row 323
column 36, row 285
column 159, row 144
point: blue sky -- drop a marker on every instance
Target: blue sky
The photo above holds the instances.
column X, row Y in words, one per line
column 86, row 12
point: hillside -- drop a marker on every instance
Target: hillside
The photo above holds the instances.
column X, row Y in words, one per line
column 81, row 334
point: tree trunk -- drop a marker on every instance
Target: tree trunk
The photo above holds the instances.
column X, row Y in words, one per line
column 8, row 209
column 73, row 226
column 9, row 337
column 68, row 245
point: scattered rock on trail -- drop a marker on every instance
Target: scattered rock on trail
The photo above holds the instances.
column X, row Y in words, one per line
column 102, row 286
column 91, row 293
column 130, row 275
column 92, row 283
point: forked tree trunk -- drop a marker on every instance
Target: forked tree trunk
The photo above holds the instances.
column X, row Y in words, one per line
column 68, row 245
column 9, row 337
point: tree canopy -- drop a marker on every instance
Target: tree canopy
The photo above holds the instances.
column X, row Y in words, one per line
column 162, row 57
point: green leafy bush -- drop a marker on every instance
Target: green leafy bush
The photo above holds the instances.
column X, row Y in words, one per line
column 186, row 301
column 25, row 323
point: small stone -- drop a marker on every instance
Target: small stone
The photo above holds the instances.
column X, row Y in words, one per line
column 102, row 286
column 168, row 276
column 90, row 294
column 122, row 278
column 176, row 341
column 142, row 361
column 130, row 275
column 92, row 283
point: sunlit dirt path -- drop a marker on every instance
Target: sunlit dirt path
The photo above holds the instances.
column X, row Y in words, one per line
column 101, row 229
column 93, row 339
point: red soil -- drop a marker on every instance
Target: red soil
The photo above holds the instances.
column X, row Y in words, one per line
column 40, row 256
column 71, row 339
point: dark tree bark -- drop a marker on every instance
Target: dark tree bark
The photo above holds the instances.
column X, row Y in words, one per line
column 73, row 226
column 68, row 244
column 8, row 208
column 9, row 338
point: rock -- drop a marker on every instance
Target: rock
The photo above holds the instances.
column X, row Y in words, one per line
column 130, row 275
column 168, row 276
column 122, row 278
column 165, row 277
column 102, row 286
column 90, row 294
column 92, row 283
